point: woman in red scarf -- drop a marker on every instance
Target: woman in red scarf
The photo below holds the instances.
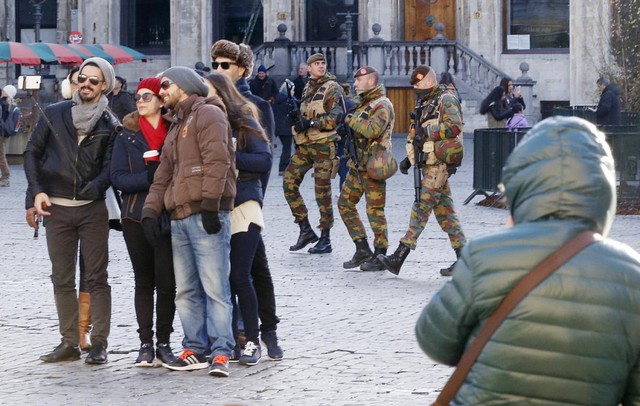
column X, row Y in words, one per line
column 136, row 156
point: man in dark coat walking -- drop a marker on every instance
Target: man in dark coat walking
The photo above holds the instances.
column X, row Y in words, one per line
column 608, row 111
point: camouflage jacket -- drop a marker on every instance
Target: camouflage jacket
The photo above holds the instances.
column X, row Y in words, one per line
column 320, row 102
column 371, row 121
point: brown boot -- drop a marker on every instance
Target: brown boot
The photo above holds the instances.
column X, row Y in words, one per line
column 84, row 320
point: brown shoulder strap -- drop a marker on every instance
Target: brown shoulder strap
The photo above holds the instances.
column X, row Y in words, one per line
column 532, row 279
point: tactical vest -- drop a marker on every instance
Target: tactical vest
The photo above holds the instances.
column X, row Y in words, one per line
column 311, row 109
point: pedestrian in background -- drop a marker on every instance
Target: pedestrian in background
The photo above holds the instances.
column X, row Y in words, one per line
column 136, row 156
column 6, row 104
column 263, row 86
column 371, row 122
column 575, row 339
column 301, row 80
column 120, row 100
column 512, row 94
column 315, row 137
column 494, row 106
column 608, row 111
column 253, row 158
column 441, row 118
column 195, row 183
column 236, row 62
column 67, row 166
column 518, row 120
column 283, row 127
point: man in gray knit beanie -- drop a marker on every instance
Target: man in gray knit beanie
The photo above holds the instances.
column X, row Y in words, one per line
column 187, row 79
column 196, row 184
column 107, row 71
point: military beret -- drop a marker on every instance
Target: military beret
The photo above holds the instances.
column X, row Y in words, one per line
column 315, row 58
column 365, row 70
column 419, row 73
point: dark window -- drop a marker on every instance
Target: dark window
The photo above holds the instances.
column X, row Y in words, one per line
column 145, row 25
column 536, row 26
column 238, row 21
column 25, row 18
column 323, row 21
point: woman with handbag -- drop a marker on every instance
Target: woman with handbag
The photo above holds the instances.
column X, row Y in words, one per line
column 136, row 156
column 572, row 336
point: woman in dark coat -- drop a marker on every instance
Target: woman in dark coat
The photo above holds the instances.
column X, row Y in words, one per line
column 493, row 106
column 253, row 160
column 132, row 173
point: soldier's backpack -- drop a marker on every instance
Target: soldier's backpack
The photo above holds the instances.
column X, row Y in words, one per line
column 13, row 123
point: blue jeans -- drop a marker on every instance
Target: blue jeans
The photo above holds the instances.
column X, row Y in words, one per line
column 203, row 295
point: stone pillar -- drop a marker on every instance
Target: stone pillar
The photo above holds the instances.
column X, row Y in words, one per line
column 526, row 86
column 190, row 23
column 439, row 55
column 375, row 54
column 282, row 66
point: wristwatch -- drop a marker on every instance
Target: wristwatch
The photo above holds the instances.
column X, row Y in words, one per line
column 312, row 123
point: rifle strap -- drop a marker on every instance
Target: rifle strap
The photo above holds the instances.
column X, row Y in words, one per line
column 532, row 279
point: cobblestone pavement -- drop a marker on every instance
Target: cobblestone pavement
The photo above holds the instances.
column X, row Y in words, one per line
column 348, row 336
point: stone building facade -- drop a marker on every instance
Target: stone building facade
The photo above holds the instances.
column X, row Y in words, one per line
column 191, row 26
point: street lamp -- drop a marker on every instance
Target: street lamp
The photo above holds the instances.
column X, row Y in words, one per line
column 348, row 23
column 37, row 16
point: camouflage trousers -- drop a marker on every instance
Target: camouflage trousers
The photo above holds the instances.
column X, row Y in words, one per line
column 440, row 202
column 355, row 185
column 307, row 156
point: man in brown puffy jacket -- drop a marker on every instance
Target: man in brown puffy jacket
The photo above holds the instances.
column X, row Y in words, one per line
column 195, row 183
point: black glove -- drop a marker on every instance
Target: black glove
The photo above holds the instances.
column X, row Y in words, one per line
column 152, row 167
column 151, row 229
column 302, row 125
column 405, row 164
column 89, row 192
column 451, row 170
column 418, row 139
column 211, row 222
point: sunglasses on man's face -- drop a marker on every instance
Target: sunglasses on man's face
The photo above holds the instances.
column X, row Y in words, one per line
column 223, row 65
column 94, row 80
column 166, row 84
column 145, row 97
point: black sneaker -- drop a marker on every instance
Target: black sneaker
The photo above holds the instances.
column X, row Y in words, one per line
column 235, row 354
column 220, row 366
column 164, row 354
column 270, row 339
column 187, row 361
column 146, row 356
column 251, row 354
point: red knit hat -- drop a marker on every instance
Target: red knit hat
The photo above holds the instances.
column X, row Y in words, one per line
column 151, row 83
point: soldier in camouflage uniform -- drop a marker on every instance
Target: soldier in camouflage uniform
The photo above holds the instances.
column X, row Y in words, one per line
column 315, row 137
column 441, row 119
column 371, row 122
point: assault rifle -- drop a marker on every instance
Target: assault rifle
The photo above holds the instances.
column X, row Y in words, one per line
column 418, row 154
column 349, row 140
column 294, row 111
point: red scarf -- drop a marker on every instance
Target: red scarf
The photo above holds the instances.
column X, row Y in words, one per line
column 154, row 136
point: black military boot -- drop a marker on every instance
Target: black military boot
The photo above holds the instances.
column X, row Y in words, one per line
column 372, row 264
column 324, row 244
column 449, row 271
column 306, row 237
column 394, row 262
column 363, row 253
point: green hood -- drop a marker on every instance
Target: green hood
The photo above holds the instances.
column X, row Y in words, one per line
column 562, row 169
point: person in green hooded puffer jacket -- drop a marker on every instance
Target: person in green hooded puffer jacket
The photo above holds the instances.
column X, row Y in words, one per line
column 575, row 339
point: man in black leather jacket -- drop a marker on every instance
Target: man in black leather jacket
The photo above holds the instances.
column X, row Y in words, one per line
column 67, row 166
